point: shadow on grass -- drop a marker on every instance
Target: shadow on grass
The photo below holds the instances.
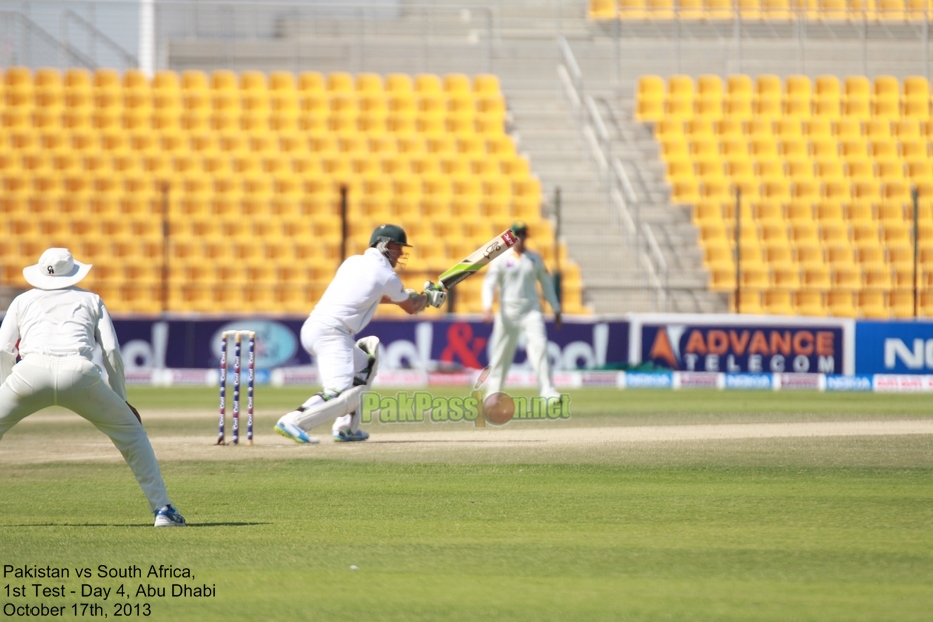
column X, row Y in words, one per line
column 467, row 442
column 227, row 524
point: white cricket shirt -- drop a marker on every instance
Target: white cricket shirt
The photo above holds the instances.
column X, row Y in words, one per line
column 351, row 299
column 60, row 322
column 516, row 276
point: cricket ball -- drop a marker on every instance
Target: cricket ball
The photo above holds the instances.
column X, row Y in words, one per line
column 498, row 408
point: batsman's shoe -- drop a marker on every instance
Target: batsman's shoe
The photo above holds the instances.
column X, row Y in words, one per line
column 168, row 516
column 349, row 436
column 292, row 431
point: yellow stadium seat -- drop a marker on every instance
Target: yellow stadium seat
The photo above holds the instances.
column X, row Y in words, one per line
column 891, row 10
column 457, row 83
column 685, row 191
column 871, row 304
column 760, row 127
column 817, row 128
column 883, row 149
column 877, row 277
column 283, row 82
column 800, row 170
column 777, row 302
column 896, row 233
column 738, row 107
column 833, row 9
column 841, row 303
column 718, row 9
column 340, row 82
column 763, row 148
column 916, row 109
column 919, row 169
column 913, row 149
column 896, row 190
column 428, row 83
column 768, row 86
column 45, row 77
column 311, row 82
column 901, row 303
column 916, row 88
column 486, row 83
column 886, row 108
column 750, row 9
column 890, row 170
column 632, row 9
column 906, row 129
column 749, row 302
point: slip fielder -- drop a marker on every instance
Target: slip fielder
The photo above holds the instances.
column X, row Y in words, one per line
column 57, row 326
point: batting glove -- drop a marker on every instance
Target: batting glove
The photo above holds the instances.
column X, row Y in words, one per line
column 436, row 296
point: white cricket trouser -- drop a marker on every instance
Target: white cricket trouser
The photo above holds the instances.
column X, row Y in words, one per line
column 338, row 360
column 75, row 383
column 505, row 333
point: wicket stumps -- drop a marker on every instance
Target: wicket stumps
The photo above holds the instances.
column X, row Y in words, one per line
column 251, row 366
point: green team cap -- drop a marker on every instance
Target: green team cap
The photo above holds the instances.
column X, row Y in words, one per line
column 390, row 233
column 519, row 227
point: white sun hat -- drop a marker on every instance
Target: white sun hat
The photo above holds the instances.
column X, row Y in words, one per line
column 56, row 269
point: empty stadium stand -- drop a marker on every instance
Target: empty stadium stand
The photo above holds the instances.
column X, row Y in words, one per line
column 246, row 170
column 825, row 170
column 885, row 11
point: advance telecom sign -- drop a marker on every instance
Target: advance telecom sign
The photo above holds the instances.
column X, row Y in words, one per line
column 894, row 347
column 743, row 344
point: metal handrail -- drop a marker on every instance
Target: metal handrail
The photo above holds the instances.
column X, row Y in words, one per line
column 620, row 191
column 655, row 254
column 626, row 182
column 130, row 60
column 33, row 27
column 598, row 126
column 567, row 56
column 592, row 124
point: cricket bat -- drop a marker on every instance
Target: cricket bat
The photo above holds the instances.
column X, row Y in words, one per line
column 477, row 259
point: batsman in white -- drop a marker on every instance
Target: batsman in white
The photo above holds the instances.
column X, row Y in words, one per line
column 515, row 275
column 347, row 367
column 57, row 326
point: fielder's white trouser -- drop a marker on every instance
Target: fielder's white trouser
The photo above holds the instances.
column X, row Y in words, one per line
column 338, row 360
column 505, row 333
column 75, row 383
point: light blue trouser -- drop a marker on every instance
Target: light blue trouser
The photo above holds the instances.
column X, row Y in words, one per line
column 75, row 383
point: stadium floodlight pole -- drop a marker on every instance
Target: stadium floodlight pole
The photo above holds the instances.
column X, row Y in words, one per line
column 558, row 277
column 343, row 223
column 166, row 248
column 738, row 249
column 914, row 195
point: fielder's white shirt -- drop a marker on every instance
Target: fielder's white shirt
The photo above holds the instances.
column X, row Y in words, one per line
column 516, row 276
column 60, row 322
column 351, row 299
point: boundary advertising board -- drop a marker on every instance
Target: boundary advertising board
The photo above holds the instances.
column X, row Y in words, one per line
column 743, row 344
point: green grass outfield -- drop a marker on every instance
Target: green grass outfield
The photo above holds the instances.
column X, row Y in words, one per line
column 795, row 528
